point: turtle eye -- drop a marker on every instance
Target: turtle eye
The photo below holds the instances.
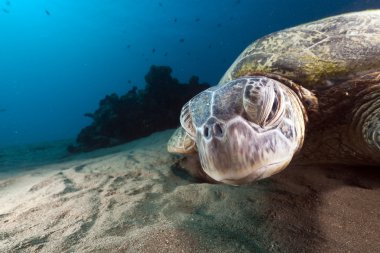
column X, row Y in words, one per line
column 186, row 120
column 258, row 99
column 273, row 111
column 276, row 110
column 262, row 101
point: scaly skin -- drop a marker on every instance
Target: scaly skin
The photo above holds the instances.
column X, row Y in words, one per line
column 332, row 67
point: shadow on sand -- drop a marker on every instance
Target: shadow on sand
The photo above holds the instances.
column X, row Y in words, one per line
column 302, row 209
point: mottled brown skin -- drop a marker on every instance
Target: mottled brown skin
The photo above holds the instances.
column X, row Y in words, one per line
column 338, row 131
column 334, row 121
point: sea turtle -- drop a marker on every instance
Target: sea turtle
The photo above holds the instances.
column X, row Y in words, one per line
column 311, row 90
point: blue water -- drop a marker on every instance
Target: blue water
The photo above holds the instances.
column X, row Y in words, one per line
column 58, row 58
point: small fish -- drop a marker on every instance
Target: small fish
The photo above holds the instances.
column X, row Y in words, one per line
column 3, row 110
column 175, row 20
column 47, row 12
column 197, row 19
column 153, row 50
column 129, row 81
column 5, row 11
column 219, row 25
column 166, row 54
column 182, row 40
column 209, row 46
column 128, row 46
column 160, row 4
column 8, row 3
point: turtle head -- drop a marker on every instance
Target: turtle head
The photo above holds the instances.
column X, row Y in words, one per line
column 244, row 130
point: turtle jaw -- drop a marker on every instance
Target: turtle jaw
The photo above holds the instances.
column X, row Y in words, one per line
column 261, row 173
column 244, row 153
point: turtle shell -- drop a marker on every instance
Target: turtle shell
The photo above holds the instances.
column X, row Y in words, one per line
column 316, row 55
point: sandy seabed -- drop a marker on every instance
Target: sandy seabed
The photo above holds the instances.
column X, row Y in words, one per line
column 134, row 198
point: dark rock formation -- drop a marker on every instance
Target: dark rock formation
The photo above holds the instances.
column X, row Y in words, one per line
column 138, row 113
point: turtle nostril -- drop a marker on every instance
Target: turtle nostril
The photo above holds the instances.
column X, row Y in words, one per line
column 218, row 130
column 213, row 129
column 206, row 132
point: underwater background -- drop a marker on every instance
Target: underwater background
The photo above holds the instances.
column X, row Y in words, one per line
column 80, row 75
column 58, row 58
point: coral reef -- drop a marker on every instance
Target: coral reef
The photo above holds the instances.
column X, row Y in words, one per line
column 138, row 113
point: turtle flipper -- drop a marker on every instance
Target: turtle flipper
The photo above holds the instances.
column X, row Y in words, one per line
column 181, row 142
